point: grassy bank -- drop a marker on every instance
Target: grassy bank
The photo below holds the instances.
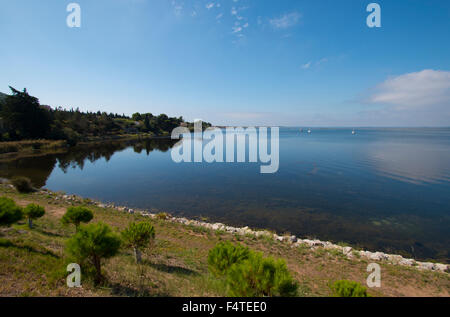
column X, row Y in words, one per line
column 33, row 148
column 32, row 262
column 30, row 146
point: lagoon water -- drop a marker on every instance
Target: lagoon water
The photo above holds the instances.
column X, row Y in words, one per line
column 381, row 189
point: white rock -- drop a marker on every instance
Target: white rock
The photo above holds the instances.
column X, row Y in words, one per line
column 441, row 267
column 426, row 266
column 378, row 256
column 407, row 262
column 347, row 250
column 394, row 258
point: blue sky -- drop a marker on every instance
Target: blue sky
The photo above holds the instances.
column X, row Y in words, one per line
column 244, row 62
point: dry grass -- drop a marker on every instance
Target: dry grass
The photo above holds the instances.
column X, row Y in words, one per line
column 32, row 262
column 31, row 146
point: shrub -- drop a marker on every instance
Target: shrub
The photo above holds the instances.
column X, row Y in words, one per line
column 9, row 212
column 22, row 184
column 259, row 276
column 224, row 255
column 162, row 216
column 77, row 215
column 33, row 211
column 138, row 236
column 93, row 243
column 346, row 288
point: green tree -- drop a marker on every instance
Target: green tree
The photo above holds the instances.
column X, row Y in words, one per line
column 92, row 244
column 224, row 255
column 22, row 184
column 259, row 276
column 24, row 117
column 33, row 211
column 137, row 116
column 345, row 288
column 9, row 211
column 138, row 236
column 147, row 123
column 77, row 215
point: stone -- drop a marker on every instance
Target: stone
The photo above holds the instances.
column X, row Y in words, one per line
column 293, row 239
column 407, row 262
column 394, row 258
column 347, row 250
column 378, row 256
column 441, row 267
column 427, row 266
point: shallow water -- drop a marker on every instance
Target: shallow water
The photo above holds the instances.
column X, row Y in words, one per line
column 382, row 189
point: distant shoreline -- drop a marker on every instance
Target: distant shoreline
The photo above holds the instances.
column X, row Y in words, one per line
column 11, row 150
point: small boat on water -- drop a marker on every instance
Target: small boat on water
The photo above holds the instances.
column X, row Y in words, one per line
column 309, row 131
column 353, row 132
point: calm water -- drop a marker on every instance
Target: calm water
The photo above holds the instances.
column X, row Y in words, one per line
column 382, row 189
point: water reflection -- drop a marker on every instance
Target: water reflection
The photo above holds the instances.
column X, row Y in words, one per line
column 383, row 190
column 416, row 163
column 39, row 168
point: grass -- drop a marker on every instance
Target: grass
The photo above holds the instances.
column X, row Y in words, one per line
column 30, row 146
column 33, row 262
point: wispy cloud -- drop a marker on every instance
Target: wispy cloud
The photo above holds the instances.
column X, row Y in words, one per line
column 421, row 89
column 285, row 21
column 312, row 64
column 177, row 7
column 307, row 65
column 413, row 99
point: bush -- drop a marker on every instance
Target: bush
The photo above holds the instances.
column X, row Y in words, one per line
column 346, row 288
column 138, row 236
column 33, row 211
column 162, row 216
column 9, row 212
column 224, row 255
column 22, row 184
column 258, row 276
column 93, row 243
column 77, row 215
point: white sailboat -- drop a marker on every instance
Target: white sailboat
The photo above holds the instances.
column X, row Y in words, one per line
column 353, row 132
column 309, row 131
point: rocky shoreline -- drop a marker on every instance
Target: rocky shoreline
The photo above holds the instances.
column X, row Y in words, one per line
column 294, row 241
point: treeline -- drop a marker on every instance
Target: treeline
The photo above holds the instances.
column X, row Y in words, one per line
column 22, row 117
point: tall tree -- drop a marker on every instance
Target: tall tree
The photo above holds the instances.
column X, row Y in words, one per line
column 23, row 116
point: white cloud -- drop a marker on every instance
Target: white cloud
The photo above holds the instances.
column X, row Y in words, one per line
column 321, row 61
column 418, row 90
column 177, row 7
column 307, row 65
column 237, row 29
column 285, row 21
column 210, row 5
column 311, row 64
column 414, row 99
